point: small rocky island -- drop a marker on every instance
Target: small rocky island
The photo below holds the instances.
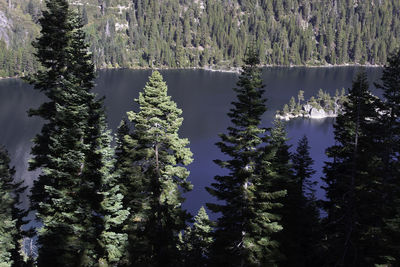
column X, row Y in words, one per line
column 322, row 106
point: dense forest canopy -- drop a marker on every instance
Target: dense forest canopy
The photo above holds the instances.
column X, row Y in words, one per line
column 204, row 33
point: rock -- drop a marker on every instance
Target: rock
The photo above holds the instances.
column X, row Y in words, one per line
column 307, row 108
column 5, row 27
column 285, row 117
column 317, row 113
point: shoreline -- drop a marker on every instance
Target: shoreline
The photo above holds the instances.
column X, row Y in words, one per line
column 288, row 117
column 235, row 70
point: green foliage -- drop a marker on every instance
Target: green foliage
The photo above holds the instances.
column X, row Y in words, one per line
column 8, row 226
column 243, row 235
column 191, row 33
column 109, row 241
column 158, row 156
column 284, row 179
column 302, row 166
column 332, row 105
column 300, row 96
column 389, row 150
column 292, row 104
column 285, row 109
column 70, row 195
column 11, row 216
column 196, row 241
column 304, row 232
column 354, row 222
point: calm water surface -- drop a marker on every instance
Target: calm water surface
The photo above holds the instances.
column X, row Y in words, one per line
column 205, row 98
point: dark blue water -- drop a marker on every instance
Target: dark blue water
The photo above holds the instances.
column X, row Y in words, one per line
column 205, row 99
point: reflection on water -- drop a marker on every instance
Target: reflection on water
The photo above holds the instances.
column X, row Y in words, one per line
column 205, row 98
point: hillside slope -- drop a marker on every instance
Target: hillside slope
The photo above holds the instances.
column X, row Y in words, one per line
column 199, row 33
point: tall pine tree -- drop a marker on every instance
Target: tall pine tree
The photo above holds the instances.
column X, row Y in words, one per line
column 196, row 241
column 67, row 195
column 388, row 123
column 306, row 232
column 353, row 199
column 109, row 241
column 157, row 178
column 11, row 216
column 243, row 232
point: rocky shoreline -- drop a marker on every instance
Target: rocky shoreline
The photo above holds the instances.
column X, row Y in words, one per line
column 236, row 70
column 312, row 113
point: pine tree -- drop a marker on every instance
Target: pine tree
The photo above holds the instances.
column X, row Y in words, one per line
column 8, row 226
column 243, row 232
column 389, row 125
column 284, row 179
column 306, row 233
column 196, row 241
column 353, row 204
column 67, row 195
column 158, row 167
column 302, row 166
column 109, row 241
column 113, row 239
column 11, row 216
column 134, row 188
column 59, row 149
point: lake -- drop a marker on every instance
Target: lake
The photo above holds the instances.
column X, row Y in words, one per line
column 205, row 99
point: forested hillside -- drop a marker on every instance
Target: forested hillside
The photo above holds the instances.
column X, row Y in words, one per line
column 201, row 33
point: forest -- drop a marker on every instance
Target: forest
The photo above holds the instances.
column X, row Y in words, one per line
column 100, row 204
column 211, row 33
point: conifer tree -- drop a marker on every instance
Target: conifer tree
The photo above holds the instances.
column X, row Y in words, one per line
column 302, row 166
column 109, row 240
column 278, row 142
column 299, row 214
column 67, row 195
column 243, row 232
column 158, row 157
column 388, row 124
column 8, row 226
column 306, row 232
column 113, row 240
column 134, row 188
column 353, row 205
column 11, row 216
column 59, row 149
column 196, row 241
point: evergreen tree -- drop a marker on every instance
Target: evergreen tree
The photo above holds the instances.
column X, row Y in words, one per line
column 158, row 167
column 389, row 125
column 278, row 141
column 243, row 232
column 109, row 241
column 353, row 204
column 8, row 226
column 11, row 216
column 67, row 195
column 304, row 248
column 134, row 189
column 302, row 166
column 284, row 179
column 59, row 149
column 195, row 244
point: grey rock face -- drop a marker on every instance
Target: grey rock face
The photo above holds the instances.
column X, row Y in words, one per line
column 317, row 113
column 5, row 26
column 307, row 108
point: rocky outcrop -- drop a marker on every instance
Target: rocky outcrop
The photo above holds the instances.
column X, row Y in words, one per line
column 5, row 27
column 312, row 109
column 317, row 113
